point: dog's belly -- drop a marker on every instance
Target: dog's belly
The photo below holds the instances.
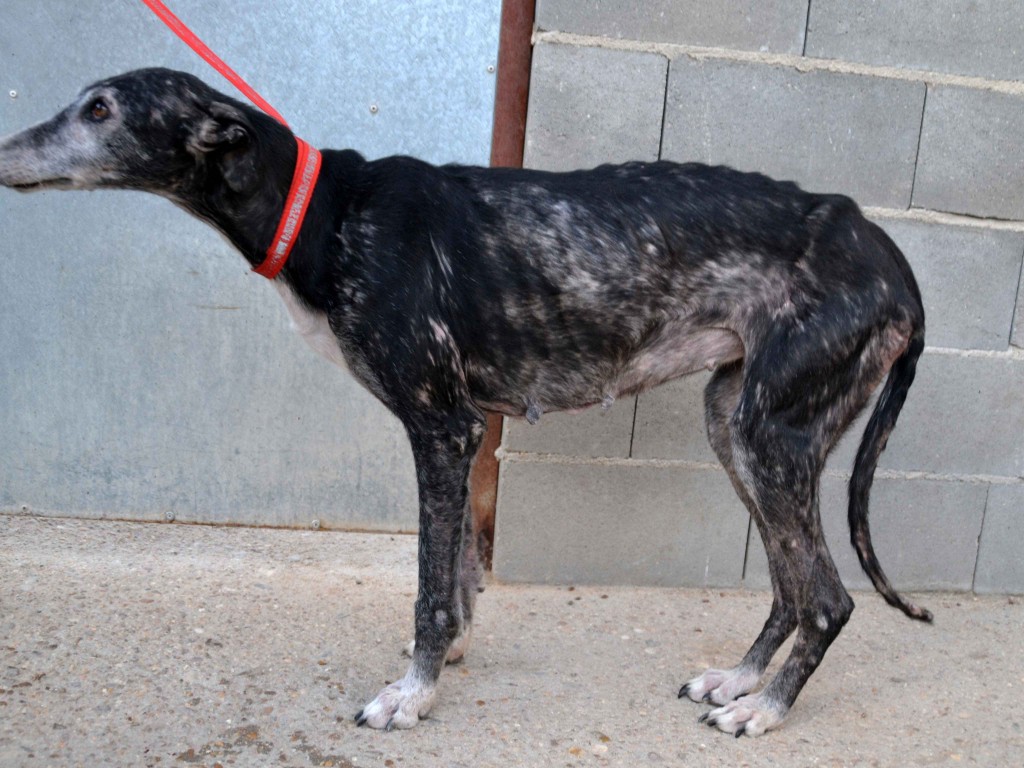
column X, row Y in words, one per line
column 573, row 385
column 559, row 385
column 676, row 353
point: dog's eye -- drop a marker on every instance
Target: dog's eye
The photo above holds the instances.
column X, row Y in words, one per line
column 99, row 110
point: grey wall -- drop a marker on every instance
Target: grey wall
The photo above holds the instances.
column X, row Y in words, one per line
column 915, row 108
column 143, row 370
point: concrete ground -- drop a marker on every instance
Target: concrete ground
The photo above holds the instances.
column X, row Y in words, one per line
column 169, row 645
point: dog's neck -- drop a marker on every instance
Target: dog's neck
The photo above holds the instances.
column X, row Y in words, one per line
column 250, row 219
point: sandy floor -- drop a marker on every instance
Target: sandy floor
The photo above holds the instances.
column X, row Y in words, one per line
column 166, row 645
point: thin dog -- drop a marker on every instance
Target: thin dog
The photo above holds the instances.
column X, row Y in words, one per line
column 452, row 291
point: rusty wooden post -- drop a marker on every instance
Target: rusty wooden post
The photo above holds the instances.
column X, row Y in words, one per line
column 507, row 139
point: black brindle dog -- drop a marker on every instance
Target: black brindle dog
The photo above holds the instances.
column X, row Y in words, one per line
column 452, row 291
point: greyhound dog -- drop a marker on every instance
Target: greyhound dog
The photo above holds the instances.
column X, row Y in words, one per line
column 453, row 291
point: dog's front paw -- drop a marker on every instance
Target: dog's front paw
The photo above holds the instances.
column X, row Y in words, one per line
column 401, row 705
column 747, row 716
column 720, row 686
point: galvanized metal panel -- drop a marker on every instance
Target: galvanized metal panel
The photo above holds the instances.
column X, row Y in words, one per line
column 145, row 372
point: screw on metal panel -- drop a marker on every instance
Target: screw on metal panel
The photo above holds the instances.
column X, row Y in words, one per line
column 169, row 517
column 373, row 109
column 490, row 68
column 13, row 94
column 315, row 525
column 24, row 507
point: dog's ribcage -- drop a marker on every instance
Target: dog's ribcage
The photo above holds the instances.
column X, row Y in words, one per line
column 611, row 289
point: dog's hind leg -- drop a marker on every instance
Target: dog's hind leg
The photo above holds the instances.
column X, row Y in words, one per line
column 443, row 446
column 721, row 686
column 780, row 472
column 788, row 419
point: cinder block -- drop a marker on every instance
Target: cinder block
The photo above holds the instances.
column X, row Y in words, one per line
column 767, row 25
column 963, row 416
column 591, row 105
column 1000, row 564
column 982, row 38
column 968, row 279
column 971, row 159
column 595, row 432
column 670, row 422
column 615, row 524
column 828, row 131
column 925, row 534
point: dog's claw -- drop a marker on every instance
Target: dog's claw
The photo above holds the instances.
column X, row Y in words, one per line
column 719, row 686
column 703, row 718
column 400, row 705
column 360, row 719
column 748, row 716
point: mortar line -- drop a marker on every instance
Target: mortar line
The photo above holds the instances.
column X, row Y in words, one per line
column 688, row 464
column 1013, row 353
column 664, row 107
column 606, row 461
column 942, row 217
column 1016, row 303
column 746, row 550
column 904, row 474
column 794, row 61
column 981, row 531
column 920, row 139
column 807, row 29
column 632, row 432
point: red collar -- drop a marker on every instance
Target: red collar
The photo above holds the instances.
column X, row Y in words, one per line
column 307, row 170
column 307, row 163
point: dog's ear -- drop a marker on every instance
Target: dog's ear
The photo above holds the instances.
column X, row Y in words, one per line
column 224, row 135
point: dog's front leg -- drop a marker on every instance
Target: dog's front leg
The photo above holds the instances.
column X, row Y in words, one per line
column 470, row 576
column 443, row 449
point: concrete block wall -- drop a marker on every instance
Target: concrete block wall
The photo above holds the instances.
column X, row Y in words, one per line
column 913, row 107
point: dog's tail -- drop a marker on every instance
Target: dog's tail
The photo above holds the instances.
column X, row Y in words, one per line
column 881, row 423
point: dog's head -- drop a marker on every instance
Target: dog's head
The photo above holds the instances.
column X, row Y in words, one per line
column 152, row 129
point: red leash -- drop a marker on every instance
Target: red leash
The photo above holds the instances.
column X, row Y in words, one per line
column 307, row 163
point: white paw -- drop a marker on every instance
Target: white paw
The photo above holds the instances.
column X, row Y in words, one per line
column 457, row 650
column 748, row 716
column 401, row 705
column 720, row 686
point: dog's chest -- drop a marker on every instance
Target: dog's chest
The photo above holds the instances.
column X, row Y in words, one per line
column 312, row 326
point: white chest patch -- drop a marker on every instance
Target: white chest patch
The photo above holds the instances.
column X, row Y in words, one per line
column 312, row 326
